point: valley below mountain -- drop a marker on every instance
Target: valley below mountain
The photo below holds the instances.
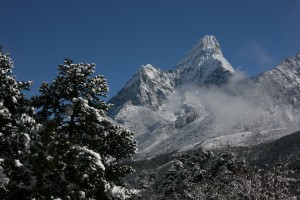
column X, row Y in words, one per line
column 270, row 170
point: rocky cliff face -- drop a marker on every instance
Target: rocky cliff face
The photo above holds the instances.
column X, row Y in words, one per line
column 204, row 102
column 282, row 83
column 149, row 87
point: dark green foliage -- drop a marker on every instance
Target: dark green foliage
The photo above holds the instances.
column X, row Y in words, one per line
column 17, row 128
column 69, row 149
column 200, row 174
column 80, row 152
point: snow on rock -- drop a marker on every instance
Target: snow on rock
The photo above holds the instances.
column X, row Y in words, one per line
column 149, row 87
column 206, row 47
column 150, row 71
column 205, row 64
column 205, row 102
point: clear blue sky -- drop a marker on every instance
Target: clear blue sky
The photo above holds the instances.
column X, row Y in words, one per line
column 121, row 35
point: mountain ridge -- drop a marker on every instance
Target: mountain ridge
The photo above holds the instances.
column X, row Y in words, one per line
column 204, row 101
column 209, row 64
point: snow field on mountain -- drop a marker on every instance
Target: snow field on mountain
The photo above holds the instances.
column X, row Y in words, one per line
column 204, row 101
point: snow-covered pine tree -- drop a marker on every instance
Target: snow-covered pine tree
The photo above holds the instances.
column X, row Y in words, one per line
column 81, row 152
column 16, row 130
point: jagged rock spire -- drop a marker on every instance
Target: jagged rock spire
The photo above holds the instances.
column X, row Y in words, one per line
column 205, row 64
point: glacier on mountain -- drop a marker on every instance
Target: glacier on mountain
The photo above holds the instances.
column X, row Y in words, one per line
column 205, row 102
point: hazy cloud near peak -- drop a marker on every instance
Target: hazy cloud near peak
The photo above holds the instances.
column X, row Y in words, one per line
column 256, row 56
column 239, row 105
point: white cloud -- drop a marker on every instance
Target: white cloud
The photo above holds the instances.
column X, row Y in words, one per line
column 256, row 55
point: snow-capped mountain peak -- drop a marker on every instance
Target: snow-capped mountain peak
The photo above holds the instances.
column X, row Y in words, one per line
column 205, row 64
column 175, row 110
column 150, row 71
column 206, row 48
column 150, row 86
column 209, row 45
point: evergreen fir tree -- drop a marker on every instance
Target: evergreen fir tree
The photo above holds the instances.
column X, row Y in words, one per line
column 16, row 131
column 80, row 152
